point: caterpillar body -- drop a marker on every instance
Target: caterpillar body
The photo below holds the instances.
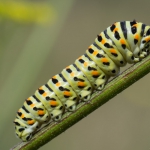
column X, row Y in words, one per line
column 121, row 43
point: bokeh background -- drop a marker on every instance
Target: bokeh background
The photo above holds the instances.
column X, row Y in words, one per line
column 37, row 40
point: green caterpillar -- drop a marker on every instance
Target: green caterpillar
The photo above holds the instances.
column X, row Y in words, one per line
column 121, row 43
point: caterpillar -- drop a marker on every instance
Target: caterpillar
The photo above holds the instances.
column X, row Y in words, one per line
column 121, row 43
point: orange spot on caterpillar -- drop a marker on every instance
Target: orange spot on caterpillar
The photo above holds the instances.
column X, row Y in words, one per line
column 81, row 84
column 54, row 77
column 104, row 60
column 32, row 105
column 135, row 25
column 122, row 41
column 68, row 67
column 57, row 84
column 95, row 53
column 136, row 36
column 90, row 47
column 67, row 93
column 95, row 73
column 40, row 88
column 22, row 116
column 53, row 103
column 28, row 99
column 44, row 94
column 147, row 39
column 72, row 74
column 116, row 29
column 30, row 122
column 103, row 41
column 40, row 112
column 85, row 64
column 113, row 51
column 80, row 57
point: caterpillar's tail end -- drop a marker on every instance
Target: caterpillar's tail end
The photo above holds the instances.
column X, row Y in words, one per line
column 23, row 131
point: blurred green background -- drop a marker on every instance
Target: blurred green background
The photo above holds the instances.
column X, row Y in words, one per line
column 38, row 40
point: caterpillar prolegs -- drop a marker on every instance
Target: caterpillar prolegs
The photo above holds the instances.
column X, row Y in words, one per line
column 121, row 43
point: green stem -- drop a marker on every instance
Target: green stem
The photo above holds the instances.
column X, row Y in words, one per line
column 114, row 87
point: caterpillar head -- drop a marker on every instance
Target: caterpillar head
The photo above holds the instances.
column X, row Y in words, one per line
column 23, row 131
column 70, row 105
column 145, row 41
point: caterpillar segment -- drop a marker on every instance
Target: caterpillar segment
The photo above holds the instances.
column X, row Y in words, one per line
column 100, row 57
column 134, row 38
column 104, row 42
column 64, row 91
column 121, row 43
column 51, row 102
column 78, row 81
column 26, row 117
column 94, row 74
column 37, row 109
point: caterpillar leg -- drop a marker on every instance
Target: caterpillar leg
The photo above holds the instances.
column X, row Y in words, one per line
column 146, row 50
column 56, row 115
column 140, row 53
column 70, row 105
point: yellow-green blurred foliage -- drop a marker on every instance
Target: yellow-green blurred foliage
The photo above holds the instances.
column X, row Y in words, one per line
column 26, row 11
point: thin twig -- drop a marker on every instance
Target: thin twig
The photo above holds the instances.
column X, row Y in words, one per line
column 114, row 87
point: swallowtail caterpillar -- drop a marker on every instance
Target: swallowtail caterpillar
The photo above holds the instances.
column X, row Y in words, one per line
column 121, row 43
